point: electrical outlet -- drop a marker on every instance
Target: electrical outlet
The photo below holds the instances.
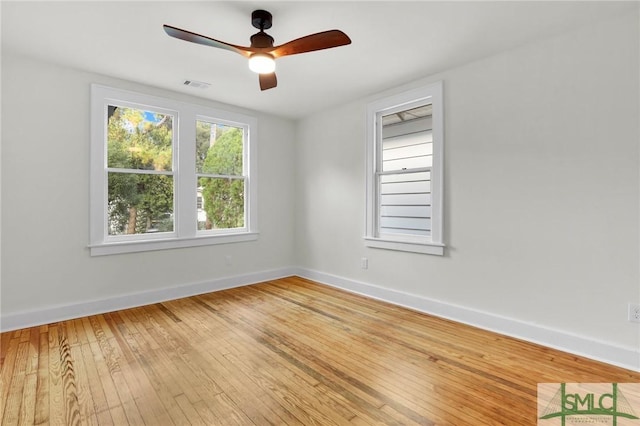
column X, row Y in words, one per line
column 364, row 263
column 634, row 312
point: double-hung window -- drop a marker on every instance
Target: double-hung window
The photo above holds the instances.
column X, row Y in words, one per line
column 168, row 174
column 404, row 171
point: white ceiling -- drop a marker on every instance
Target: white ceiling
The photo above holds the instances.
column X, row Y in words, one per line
column 393, row 42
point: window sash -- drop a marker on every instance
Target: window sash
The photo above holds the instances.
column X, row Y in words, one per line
column 404, row 203
column 244, row 177
column 214, row 231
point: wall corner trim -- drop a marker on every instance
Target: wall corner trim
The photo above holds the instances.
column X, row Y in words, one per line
column 621, row 356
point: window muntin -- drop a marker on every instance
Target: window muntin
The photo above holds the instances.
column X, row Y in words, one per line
column 404, row 172
column 144, row 157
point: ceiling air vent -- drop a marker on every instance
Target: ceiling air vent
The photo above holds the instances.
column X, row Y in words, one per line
column 196, row 84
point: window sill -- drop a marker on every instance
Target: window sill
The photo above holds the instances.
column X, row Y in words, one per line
column 105, row 249
column 423, row 248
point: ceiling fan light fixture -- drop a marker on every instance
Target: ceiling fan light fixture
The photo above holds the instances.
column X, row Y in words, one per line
column 262, row 63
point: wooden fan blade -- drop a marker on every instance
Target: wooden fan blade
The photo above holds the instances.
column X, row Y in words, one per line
column 268, row 81
column 204, row 40
column 310, row 43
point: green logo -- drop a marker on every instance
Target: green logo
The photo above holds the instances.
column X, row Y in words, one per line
column 588, row 403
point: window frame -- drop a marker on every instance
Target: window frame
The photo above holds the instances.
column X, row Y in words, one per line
column 433, row 244
column 185, row 233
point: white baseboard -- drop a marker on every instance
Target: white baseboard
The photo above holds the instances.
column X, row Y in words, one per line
column 92, row 307
column 621, row 356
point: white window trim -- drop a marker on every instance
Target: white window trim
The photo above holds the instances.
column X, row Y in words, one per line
column 185, row 212
column 375, row 110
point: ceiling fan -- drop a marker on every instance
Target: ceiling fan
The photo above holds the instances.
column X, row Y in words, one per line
column 262, row 53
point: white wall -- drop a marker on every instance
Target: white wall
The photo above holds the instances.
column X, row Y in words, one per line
column 45, row 201
column 541, row 196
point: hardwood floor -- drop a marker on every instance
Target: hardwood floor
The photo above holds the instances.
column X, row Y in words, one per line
column 288, row 351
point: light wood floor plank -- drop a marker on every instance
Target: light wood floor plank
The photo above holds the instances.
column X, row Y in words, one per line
column 57, row 406
column 9, row 355
column 284, row 352
column 41, row 415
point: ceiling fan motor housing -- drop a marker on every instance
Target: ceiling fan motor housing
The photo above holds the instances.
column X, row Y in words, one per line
column 261, row 39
